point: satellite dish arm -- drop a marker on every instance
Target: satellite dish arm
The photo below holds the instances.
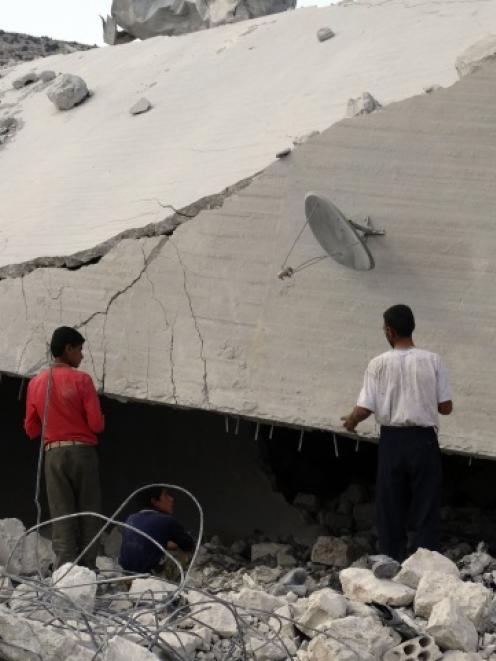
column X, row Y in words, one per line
column 367, row 228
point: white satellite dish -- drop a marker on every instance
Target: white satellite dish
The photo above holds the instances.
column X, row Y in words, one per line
column 339, row 236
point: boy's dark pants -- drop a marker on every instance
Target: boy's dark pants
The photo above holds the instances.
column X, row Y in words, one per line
column 73, row 485
column 409, row 482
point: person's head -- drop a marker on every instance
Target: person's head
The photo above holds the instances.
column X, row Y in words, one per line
column 157, row 498
column 67, row 346
column 399, row 324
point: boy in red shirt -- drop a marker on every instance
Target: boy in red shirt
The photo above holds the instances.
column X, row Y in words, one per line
column 73, row 418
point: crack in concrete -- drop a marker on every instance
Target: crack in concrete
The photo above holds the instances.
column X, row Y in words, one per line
column 205, row 391
column 164, row 227
column 170, row 327
column 23, row 291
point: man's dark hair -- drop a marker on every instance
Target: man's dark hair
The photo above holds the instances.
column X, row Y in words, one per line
column 63, row 336
column 400, row 318
column 144, row 499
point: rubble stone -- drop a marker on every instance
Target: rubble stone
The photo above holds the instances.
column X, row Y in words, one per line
column 214, row 616
column 472, row 598
column 121, row 649
column 364, row 635
column 257, row 600
column 47, row 76
column 151, row 588
column 414, row 567
column 141, row 106
column 69, row 91
column 322, row 607
column 23, row 81
column 362, row 585
column 363, row 105
column 323, row 34
column 332, row 551
column 28, row 552
column 450, row 628
column 322, row 648
column 422, row 648
column 74, row 585
column 455, row 655
column 384, row 567
column 112, row 543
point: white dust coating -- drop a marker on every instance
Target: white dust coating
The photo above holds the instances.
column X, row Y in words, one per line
column 225, row 101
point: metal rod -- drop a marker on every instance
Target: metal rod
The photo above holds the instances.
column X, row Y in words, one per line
column 257, row 429
column 300, row 442
column 271, row 432
column 336, row 450
column 226, row 419
column 236, row 430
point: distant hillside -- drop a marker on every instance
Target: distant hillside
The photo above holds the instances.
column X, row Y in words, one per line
column 16, row 47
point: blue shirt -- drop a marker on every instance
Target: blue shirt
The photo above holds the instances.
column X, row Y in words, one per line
column 138, row 554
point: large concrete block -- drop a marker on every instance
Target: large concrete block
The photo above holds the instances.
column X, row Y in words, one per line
column 414, row 567
column 362, row 585
column 451, row 629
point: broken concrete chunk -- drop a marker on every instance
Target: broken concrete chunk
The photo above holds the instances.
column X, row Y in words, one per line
column 472, row 598
column 414, row 567
column 214, row 616
column 47, row 76
column 476, row 55
column 363, row 105
column 141, row 106
column 451, row 629
column 258, row 600
column 455, row 655
column 422, row 648
column 27, row 79
column 283, row 153
column 429, row 89
column 384, row 567
column 68, row 92
column 362, row 637
column 112, row 543
column 323, row 648
column 323, row 34
column 322, row 607
column 73, row 585
column 333, row 552
column 362, row 585
column 121, row 649
column 151, row 589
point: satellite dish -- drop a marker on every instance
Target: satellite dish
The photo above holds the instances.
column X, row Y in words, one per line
column 337, row 235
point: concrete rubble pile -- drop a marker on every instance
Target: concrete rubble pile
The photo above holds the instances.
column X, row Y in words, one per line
column 304, row 598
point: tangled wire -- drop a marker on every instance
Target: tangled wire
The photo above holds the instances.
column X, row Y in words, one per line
column 161, row 619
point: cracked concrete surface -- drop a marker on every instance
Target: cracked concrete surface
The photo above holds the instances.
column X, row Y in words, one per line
column 199, row 319
column 220, row 115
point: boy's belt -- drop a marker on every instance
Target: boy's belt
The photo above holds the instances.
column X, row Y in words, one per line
column 63, row 444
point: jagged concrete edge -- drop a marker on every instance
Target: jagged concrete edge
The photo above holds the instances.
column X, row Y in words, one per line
column 163, row 227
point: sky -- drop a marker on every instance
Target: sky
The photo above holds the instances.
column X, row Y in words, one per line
column 72, row 20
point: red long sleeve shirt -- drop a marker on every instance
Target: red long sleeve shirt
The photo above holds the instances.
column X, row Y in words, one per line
column 74, row 412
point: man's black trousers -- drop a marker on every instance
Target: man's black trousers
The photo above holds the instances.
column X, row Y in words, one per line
column 409, row 482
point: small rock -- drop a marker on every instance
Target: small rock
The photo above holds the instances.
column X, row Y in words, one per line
column 146, row 589
column 69, row 91
column 384, row 566
column 296, row 576
column 141, row 106
column 73, row 585
column 451, row 629
column 362, row 585
column 476, row 563
column 333, row 552
column 455, row 655
column 363, row 105
column 353, row 638
column 323, row 34
column 283, row 153
column 322, row 607
column 121, row 649
column 25, row 80
column 47, row 76
column 257, row 600
column 429, row 89
column 414, row 567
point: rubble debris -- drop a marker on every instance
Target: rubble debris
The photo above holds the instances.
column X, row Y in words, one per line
column 414, row 567
column 68, row 92
column 141, row 106
column 8, row 128
column 362, row 105
column 323, row 34
column 476, row 55
column 334, row 551
column 384, row 567
column 47, row 76
column 450, row 628
column 283, row 153
column 74, row 586
column 362, row 585
column 20, row 554
column 421, row 648
column 430, row 89
column 24, row 81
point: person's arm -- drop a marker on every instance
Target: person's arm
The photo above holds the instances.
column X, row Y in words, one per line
column 444, row 396
column 32, row 422
column 181, row 538
column 91, row 403
column 365, row 405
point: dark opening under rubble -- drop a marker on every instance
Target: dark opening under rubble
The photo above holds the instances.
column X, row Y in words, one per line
column 243, row 484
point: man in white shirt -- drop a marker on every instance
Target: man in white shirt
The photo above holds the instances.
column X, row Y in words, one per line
column 406, row 389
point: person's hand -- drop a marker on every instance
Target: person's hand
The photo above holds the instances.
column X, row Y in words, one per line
column 349, row 422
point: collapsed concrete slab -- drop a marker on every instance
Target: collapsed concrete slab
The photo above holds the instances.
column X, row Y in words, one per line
column 199, row 319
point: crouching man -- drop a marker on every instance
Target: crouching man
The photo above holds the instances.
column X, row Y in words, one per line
column 138, row 554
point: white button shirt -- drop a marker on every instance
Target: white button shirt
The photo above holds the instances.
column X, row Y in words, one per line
column 403, row 387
